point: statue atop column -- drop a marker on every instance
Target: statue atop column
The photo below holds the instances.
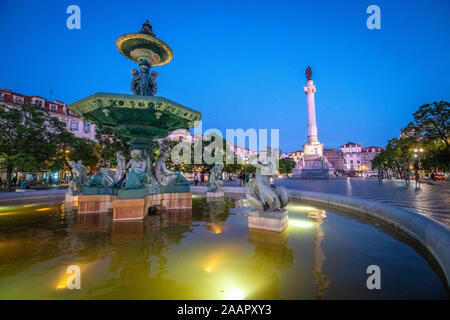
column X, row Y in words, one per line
column 308, row 73
column 147, row 28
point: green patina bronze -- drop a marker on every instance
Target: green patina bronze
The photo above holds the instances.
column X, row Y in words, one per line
column 142, row 117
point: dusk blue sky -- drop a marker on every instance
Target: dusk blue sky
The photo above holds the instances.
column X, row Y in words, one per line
column 242, row 63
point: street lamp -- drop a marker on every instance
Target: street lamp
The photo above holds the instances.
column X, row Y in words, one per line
column 417, row 152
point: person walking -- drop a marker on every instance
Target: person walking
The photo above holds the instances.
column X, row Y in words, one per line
column 380, row 177
column 195, row 179
column 432, row 176
column 202, row 179
column 416, row 178
column 407, row 178
column 14, row 181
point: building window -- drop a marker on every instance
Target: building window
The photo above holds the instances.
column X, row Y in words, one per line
column 2, row 96
column 358, row 161
column 38, row 102
column 87, row 127
column 18, row 100
column 53, row 107
column 74, row 125
column 351, row 161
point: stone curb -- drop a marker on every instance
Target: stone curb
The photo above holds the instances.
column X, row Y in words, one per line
column 432, row 235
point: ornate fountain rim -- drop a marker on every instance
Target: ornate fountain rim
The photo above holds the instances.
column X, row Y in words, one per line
column 101, row 99
column 125, row 46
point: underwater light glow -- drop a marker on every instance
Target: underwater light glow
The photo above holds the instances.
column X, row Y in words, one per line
column 301, row 223
column 214, row 261
column 8, row 213
column 300, row 208
column 234, row 294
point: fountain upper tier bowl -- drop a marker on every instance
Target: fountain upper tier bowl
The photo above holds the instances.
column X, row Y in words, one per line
column 141, row 46
column 141, row 118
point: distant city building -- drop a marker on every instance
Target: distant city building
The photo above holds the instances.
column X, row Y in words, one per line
column 241, row 152
column 335, row 157
column 352, row 156
column 58, row 109
column 357, row 158
column 296, row 155
column 368, row 154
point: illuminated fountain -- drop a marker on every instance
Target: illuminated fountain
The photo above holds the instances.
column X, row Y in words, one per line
column 139, row 184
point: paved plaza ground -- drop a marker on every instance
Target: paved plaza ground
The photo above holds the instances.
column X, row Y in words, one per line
column 432, row 201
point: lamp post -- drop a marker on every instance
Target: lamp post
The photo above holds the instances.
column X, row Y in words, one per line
column 417, row 152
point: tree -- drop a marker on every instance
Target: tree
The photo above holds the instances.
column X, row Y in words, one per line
column 428, row 131
column 87, row 151
column 432, row 121
column 109, row 143
column 286, row 165
column 29, row 138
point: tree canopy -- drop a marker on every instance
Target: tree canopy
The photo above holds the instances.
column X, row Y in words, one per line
column 423, row 144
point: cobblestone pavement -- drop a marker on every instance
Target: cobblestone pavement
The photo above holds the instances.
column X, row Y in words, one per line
column 432, row 201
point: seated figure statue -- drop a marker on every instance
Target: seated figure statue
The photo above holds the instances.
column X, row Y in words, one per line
column 163, row 175
column 79, row 177
column 105, row 178
column 214, row 183
column 137, row 177
column 120, row 168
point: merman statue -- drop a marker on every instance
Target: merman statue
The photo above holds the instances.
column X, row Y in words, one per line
column 261, row 194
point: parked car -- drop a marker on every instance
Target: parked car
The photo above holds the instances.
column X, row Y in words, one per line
column 440, row 176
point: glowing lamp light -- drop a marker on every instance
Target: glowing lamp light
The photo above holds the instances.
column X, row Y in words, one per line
column 43, row 209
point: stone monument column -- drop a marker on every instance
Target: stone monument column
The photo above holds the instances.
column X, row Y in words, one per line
column 310, row 90
column 313, row 165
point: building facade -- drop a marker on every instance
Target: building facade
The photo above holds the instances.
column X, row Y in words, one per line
column 335, row 158
column 358, row 159
column 58, row 109
column 368, row 154
column 296, row 155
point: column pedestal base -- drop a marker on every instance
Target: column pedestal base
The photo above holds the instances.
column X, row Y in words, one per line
column 95, row 203
column 133, row 209
column 71, row 200
column 268, row 220
column 215, row 194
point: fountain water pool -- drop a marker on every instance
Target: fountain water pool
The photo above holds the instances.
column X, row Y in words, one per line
column 207, row 253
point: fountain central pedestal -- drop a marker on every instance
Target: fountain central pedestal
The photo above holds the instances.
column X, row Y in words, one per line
column 137, row 185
